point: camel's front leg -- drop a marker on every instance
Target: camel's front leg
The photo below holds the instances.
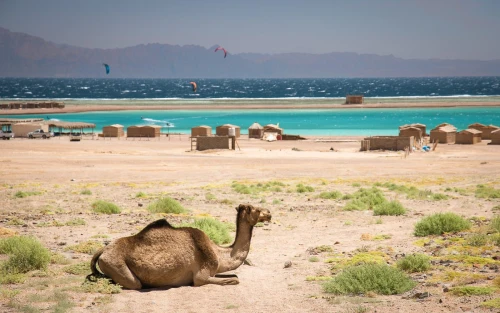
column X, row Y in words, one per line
column 203, row 278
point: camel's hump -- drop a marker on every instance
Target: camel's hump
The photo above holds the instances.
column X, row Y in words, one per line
column 161, row 223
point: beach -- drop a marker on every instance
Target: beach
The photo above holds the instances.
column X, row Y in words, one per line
column 79, row 105
column 63, row 179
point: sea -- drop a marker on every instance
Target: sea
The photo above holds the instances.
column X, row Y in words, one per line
column 329, row 122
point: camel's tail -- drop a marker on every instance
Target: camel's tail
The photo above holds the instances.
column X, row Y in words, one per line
column 93, row 266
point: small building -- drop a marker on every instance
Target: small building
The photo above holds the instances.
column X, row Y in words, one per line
column 272, row 128
column 223, row 130
column 22, row 129
column 212, row 142
column 151, row 131
column 202, row 130
column 134, row 131
column 422, row 127
column 445, row 124
column 468, row 136
column 389, row 142
column 495, row 137
column 485, row 129
column 411, row 131
column 354, row 99
column 115, row 130
column 444, row 134
column 255, row 131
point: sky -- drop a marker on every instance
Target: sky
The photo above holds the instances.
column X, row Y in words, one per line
column 410, row 29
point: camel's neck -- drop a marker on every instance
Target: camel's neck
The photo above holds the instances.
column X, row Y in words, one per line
column 233, row 256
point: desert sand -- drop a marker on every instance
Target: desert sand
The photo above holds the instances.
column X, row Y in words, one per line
column 118, row 170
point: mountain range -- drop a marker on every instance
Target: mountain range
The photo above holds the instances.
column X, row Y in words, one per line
column 23, row 55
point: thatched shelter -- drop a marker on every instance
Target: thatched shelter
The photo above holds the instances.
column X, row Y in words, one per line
column 202, row 130
column 485, row 129
column 468, row 136
column 411, row 131
column 223, row 130
column 495, row 137
column 148, row 131
column 69, row 125
column 115, row 130
column 255, row 131
column 6, row 123
column 389, row 142
column 22, row 129
column 271, row 128
column 354, row 99
column 444, row 134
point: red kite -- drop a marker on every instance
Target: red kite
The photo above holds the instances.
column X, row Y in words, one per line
column 194, row 86
column 220, row 48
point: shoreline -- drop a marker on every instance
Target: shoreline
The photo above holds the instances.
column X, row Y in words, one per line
column 78, row 106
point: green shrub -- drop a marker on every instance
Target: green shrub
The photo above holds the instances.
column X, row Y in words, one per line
column 495, row 239
column 495, row 224
column 25, row 254
column 166, row 205
column 240, row 188
column 389, row 208
column 492, row 304
column 104, row 207
column 331, row 195
column 75, row 222
column 477, row 240
column 414, row 263
column 86, row 192
column 88, row 247
column 24, row 194
column 141, row 194
column 440, row 223
column 378, row 278
column 217, row 231
column 365, row 199
column 487, row 192
column 209, row 197
column 81, row 268
column 313, row 259
column 304, row 188
column 472, row 291
column 101, row 285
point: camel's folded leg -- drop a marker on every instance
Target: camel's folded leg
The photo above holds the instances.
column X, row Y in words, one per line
column 120, row 274
column 203, row 278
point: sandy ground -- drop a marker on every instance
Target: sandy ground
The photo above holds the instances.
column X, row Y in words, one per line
column 75, row 106
column 116, row 170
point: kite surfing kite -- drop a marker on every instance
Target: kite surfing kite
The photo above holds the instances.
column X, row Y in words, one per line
column 194, row 86
column 107, row 68
column 220, row 48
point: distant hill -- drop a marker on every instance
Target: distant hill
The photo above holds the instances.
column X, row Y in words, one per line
column 22, row 55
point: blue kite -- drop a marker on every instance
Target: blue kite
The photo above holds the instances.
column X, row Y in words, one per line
column 107, row 68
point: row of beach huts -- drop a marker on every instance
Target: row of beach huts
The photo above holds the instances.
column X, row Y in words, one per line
column 415, row 135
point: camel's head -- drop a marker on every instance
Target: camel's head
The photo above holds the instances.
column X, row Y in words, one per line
column 253, row 215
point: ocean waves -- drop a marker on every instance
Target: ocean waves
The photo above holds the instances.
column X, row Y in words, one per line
column 176, row 89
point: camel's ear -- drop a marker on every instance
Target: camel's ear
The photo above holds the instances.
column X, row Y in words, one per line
column 245, row 207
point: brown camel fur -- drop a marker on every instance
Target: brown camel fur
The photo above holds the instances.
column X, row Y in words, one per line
column 164, row 256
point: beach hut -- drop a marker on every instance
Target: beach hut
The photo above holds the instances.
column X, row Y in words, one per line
column 134, row 131
column 22, row 129
column 444, row 134
column 445, row 124
column 495, row 137
column 411, row 131
column 485, row 129
column 272, row 128
column 468, row 136
column 354, row 99
column 150, row 131
column 223, row 130
column 115, row 130
column 202, row 130
column 255, row 131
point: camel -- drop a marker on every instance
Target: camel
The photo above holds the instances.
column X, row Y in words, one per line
column 161, row 255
